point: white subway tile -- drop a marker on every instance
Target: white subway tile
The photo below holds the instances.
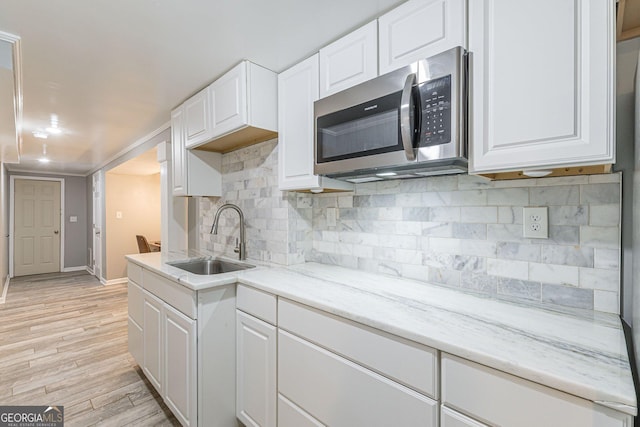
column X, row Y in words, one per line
column 554, row 274
column 508, row 268
column 607, row 302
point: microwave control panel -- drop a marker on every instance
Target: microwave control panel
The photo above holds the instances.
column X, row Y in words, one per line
column 435, row 108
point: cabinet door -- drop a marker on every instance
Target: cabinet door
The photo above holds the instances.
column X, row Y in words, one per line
column 542, row 84
column 135, row 302
column 351, row 60
column 419, row 29
column 229, row 100
column 181, row 384
column 338, row 392
column 177, row 151
column 197, row 118
column 256, row 370
column 153, row 366
column 297, row 91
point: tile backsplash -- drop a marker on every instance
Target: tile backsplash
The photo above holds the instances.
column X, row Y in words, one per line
column 277, row 232
column 459, row 231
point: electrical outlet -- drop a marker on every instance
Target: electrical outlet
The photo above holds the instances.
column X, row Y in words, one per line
column 535, row 223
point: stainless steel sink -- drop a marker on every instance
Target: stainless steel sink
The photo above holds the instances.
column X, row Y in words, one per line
column 209, row 266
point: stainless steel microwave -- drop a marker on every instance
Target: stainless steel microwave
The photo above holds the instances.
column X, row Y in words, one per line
column 408, row 123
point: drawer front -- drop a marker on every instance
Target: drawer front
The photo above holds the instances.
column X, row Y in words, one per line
column 179, row 297
column 257, row 303
column 338, row 392
column 135, row 302
column 406, row 362
column 291, row 415
column 134, row 271
column 451, row 418
column 497, row 398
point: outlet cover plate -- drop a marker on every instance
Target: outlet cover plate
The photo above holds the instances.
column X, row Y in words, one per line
column 535, row 222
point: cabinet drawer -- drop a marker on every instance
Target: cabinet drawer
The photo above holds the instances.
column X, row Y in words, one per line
column 338, row 392
column 497, row 398
column 257, row 303
column 406, row 362
column 451, row 418
column 134, row 271
column 176, row 295
column 291, row 415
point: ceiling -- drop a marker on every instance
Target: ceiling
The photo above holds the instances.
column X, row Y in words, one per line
column 112, row 70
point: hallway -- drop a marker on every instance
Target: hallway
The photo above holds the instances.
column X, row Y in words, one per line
column 63, row 341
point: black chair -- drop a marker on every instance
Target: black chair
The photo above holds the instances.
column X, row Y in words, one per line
column 143, row 245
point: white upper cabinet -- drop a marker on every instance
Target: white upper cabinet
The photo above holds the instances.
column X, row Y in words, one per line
column 419, row 29
column 229, row 100
column 542, row 89
column 297, row 91
column 243, row 107
column 194, row 173
column 350, row 60
column 197, row 118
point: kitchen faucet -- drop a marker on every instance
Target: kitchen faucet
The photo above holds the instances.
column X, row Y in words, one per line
column 240, row 246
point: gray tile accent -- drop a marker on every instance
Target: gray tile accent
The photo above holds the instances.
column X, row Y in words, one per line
column 522, row 289
column 567, row 296
column 519, row 251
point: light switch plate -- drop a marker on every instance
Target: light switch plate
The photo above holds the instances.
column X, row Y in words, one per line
column 535, row 222
column 73, row 218
column 118, row 215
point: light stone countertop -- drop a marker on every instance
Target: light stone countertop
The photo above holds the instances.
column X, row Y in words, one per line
column 581, row 355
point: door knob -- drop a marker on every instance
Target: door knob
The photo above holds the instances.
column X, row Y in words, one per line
column 56, row 232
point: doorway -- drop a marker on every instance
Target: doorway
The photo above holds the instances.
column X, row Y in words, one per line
column 36, row 224
column 96, row 260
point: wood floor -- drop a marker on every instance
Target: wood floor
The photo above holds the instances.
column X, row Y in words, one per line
column 63, row 341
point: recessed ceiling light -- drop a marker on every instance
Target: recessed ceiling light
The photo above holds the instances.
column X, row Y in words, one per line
column 386, row 174
column 54, row 130
column 43, row 160
column 40, row 134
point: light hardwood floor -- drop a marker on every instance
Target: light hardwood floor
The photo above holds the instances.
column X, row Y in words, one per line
column 63, row 341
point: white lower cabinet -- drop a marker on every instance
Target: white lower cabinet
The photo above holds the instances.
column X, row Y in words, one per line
column 184, row 342
column 153, row 365
column 256, row 371
column 180, row 360
column 135, row 302
column 291, row 415
column 451, row 418
column 256, row 353
column 339, row 392
column 499, row 399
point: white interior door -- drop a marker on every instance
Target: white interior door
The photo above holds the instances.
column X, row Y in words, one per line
column 36, row 227
column 97, row 224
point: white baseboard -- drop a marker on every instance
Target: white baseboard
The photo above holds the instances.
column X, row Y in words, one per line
column 3, row 297
column 90, row 271
column 113, row 281
column 70, row 269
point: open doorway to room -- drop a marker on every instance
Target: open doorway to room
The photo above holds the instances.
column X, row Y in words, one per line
column 132, row 197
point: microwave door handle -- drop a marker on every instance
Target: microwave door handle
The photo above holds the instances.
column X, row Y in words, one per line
column 406, row 130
